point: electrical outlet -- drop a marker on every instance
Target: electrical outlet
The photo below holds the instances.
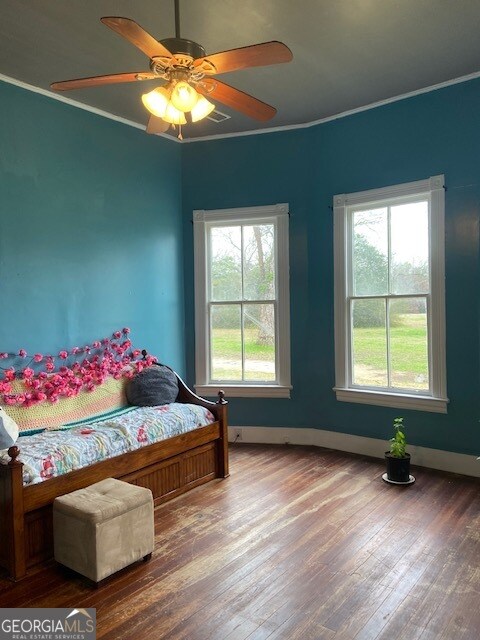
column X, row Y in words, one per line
column 238, row 435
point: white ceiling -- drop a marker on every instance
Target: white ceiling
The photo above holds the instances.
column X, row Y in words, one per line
column 346, row 53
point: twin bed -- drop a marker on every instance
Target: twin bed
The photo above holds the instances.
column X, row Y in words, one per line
column 169, row 449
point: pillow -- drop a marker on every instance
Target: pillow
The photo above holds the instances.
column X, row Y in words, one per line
column 153, row 386
column 8, row 430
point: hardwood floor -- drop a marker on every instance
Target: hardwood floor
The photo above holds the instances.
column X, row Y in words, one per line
column 299, row 542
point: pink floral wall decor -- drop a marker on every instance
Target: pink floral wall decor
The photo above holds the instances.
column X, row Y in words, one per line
column 70, row 371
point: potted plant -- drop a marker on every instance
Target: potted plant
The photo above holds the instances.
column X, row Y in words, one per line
column 397, row 459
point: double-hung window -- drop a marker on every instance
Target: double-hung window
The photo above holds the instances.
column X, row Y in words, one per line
column 242, row 333
column 390, row 296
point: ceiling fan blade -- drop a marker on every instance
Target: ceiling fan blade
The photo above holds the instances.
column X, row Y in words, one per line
column 236, row 99
column 157, row 125
column 135, row 34
column 79, row 83
column 256, row 55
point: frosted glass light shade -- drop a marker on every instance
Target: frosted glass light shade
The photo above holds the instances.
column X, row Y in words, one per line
column 201, row 109
column 183, row 96
column 156, row 101
column 173, row 115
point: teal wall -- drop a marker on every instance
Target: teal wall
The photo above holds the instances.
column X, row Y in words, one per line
column 90, row 230
column 437, row 132
column 93, row 237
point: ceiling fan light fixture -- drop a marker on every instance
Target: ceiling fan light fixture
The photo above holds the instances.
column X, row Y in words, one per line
column 157, row 101
column 173, row 115
column 202, row 109
column 184, row 97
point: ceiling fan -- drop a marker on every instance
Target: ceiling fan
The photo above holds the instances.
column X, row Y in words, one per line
column 187, row 74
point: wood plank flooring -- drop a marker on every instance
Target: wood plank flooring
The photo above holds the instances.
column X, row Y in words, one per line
column 299, row 543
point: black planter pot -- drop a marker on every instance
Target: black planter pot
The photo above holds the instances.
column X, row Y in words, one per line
column 398, row 469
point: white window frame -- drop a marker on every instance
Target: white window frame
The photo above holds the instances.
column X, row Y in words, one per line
column 202, row 221
column 436, row 399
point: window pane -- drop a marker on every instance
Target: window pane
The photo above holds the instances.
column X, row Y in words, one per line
column 226, row 342
column 409, row 248
column 259, row 336
column 409, row 343
column 369, row 343
column 370, row 252
column 226, row 263
column 259, row 262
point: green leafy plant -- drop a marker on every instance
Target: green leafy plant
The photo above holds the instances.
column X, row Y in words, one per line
column 398, row 443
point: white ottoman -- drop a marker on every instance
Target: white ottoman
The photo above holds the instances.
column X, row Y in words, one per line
column 103, row 528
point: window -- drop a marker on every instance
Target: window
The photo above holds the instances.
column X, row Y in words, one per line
column 390, row 296
column 242, row 314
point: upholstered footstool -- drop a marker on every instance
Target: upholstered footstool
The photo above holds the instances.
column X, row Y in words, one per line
column 103, row 528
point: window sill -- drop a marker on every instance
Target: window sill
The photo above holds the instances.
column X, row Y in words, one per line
column 244, row 391
column 400, row 401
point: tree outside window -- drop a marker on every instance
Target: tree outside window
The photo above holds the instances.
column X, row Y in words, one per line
column 242, row 301
column 390, row 296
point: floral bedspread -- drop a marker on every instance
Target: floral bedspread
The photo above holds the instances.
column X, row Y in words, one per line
column 55, row 452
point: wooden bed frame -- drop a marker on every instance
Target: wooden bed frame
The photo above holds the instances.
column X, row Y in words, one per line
column 169, row 468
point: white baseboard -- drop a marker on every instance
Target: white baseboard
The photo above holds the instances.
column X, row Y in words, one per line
column 421, row 456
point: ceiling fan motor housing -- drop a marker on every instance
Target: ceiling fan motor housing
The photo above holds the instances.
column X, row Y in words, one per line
column 184, row 50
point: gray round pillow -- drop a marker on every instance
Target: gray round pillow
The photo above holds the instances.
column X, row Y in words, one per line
column 153, row 386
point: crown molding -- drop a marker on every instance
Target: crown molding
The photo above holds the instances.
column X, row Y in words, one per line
column 78, row 105
column 343, row 114
column 251, row 132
